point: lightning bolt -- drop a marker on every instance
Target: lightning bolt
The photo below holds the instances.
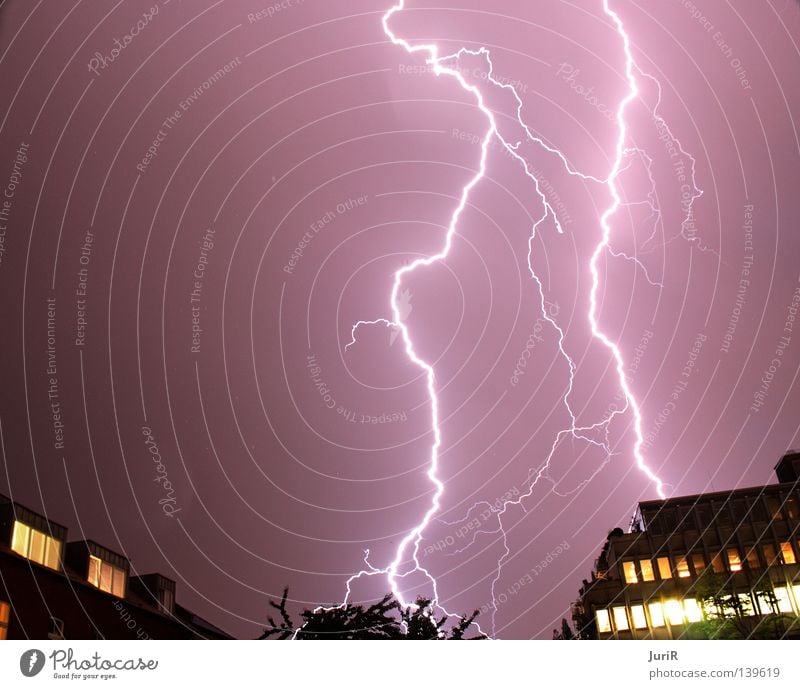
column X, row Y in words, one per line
column 410, row 544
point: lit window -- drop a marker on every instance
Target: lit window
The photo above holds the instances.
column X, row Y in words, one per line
column 106, row 577
column 766, row 606
column 35, row 545
column 752, row 559
column 629, row 570
column 656, row 614
column 620, row 618
column 674, row 611
column 717, row 563
column 5, row 611
column 637, row 616
column 734, row 562
column 796, row 589
column 603, row 622
column 664, row 570
column 787, row 553
column 784, row 602
column 682, row 567
column 769, row 554
column 692, row 610
column 745, row 606
column 698, row 562
column 647, row 570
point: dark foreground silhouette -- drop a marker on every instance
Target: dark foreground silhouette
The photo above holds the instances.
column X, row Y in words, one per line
column 386, row 619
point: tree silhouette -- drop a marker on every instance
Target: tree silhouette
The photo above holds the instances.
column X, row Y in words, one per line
column 727, row 614
column 386, row 619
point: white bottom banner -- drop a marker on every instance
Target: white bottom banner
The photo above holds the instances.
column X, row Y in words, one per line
column 399, row 664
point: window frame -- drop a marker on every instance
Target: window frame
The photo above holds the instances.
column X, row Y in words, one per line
column 661, row 568
column 5, row 618
column 629, row 573
column 603, row 620
column 786, row 548
column 105, row 572
column 49, row 546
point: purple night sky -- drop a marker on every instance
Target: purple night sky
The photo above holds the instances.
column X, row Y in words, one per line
column 200, row 200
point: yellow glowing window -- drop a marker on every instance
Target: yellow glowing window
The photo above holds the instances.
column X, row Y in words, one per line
column 603, row 621
column 734, row 562
column 656, row 614
column 5, row 611
column 784, row 602
column 745, row 606
column 764, row 603
column 629, row 570
column 35, row 545
column 796, row 589
column 620, row 618
column 637, row 615
column 692, row 610
column 674, row 611
column 664, row 570
column 699, row 562
column 717, row 563
column 106, row 577
column 787, row 553
column 682, row 567
column 647, row 570
column 769, row 554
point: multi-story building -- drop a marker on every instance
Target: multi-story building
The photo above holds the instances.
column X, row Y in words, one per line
column 651, row 583
column 51, row 588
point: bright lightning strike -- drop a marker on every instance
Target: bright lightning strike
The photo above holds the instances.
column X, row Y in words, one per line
column 411, row 541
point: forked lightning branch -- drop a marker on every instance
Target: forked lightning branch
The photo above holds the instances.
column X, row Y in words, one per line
column 406, row 560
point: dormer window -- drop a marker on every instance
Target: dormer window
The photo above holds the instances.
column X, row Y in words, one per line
column 106, row 577
column 36, row 545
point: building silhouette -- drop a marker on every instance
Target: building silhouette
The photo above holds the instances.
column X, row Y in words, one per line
column 54, row 589
column 650, row 583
